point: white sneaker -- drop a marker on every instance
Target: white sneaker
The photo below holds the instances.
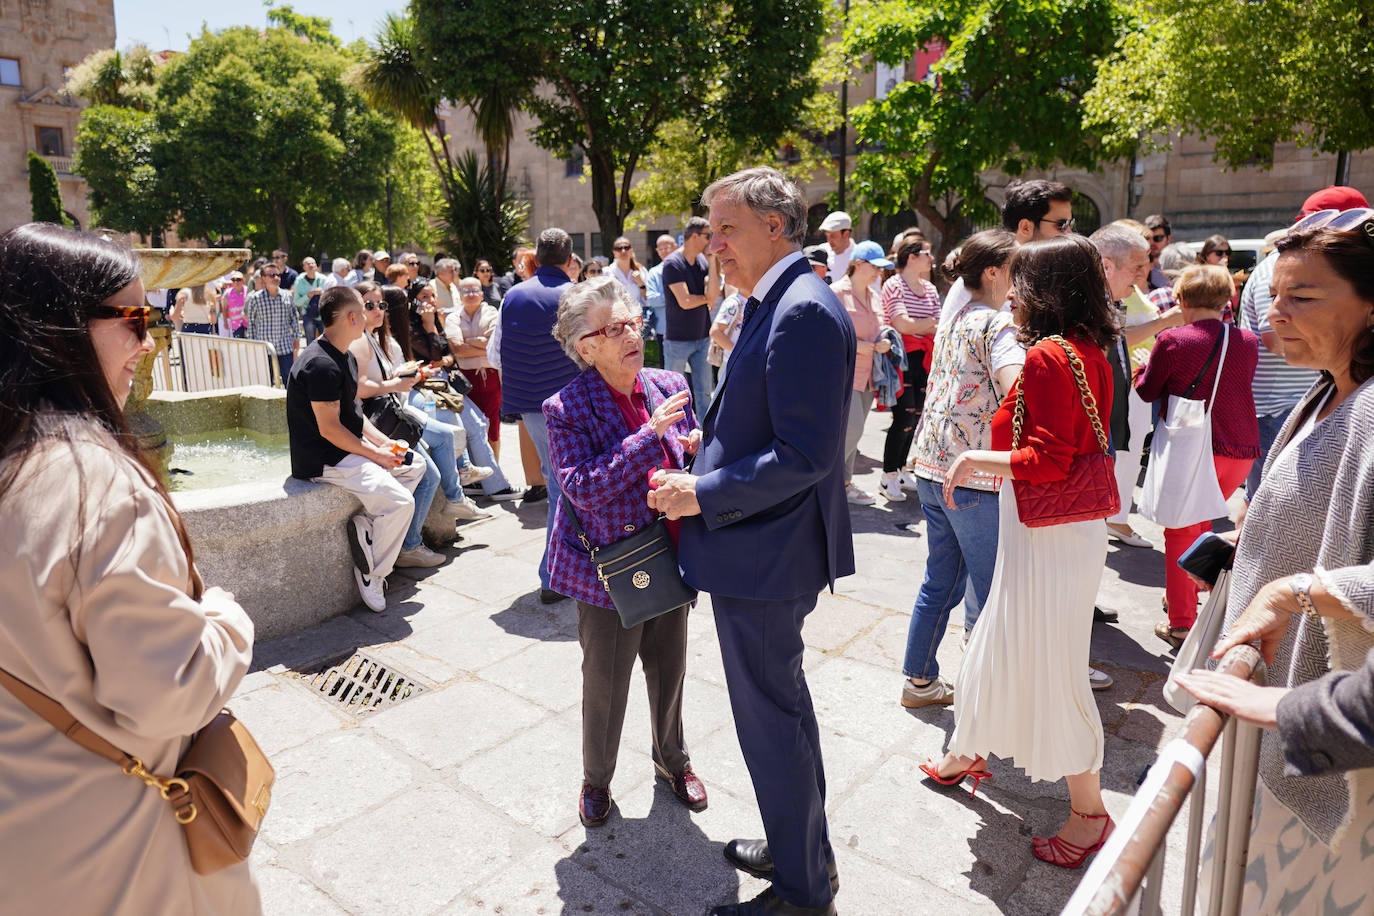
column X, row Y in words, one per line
column 857, row 497
column 1100, row 680
column 420, row 556
column 359, row 530
column 464, row 509
column 892, row 488
column 373, row 590
column 474, row 473
column 907, row 480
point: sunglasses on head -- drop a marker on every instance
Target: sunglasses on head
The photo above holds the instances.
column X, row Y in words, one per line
column 135, row 315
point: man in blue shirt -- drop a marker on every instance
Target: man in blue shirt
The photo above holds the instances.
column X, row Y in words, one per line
column 533, row 364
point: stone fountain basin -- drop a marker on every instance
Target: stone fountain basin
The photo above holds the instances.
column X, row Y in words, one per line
column 277, row 543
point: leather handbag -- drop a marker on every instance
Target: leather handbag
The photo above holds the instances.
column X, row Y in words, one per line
column 1089, row 491
column 222, row 786
column 640, row 572
column 1181, row 486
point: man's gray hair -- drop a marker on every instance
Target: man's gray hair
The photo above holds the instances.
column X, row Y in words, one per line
column 554, row 248
column 1115, row 243
column 764, row 190
column 1175, row 257
column 341, row 264
column 447, row 264
column 574, row 304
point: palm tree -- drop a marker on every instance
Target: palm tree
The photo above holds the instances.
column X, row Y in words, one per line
column 494, row 120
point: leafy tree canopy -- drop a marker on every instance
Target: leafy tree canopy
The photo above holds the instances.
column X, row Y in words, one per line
column 1007, row 94
column 1245, row 75
column 312, row 28
column 45, row 195
column 114, row 153
column 110, row 77
column 608, row 75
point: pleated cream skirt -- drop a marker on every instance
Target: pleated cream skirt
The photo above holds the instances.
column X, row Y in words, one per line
column 1023, row 692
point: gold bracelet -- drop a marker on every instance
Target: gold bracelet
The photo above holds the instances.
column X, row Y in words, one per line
column 1301, row 584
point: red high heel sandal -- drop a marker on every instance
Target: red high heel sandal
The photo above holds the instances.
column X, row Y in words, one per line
column 1070, row 855
column 978, row 770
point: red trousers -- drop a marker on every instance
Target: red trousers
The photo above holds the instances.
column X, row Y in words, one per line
column 486, row 394
column 1179, row 587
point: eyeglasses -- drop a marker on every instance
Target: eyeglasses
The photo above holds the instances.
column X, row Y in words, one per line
column 1063, row 225
column 135, row 315
column 616, row 328
column 1159, row 238
column 622, row 248
column 469, row 292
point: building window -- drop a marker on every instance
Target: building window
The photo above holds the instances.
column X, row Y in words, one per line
column 9, row 71
column 49, row 141
column 596, row 245
column 572, row 163
column 579, row 240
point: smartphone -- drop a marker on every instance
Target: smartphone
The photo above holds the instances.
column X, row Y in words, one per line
column 1207, row 557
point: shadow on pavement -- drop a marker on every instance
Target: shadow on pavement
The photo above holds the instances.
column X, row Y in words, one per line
column 527, row 617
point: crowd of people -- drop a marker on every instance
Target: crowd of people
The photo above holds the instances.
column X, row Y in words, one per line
column 1024, row 377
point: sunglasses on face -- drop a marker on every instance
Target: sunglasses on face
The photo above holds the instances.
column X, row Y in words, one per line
column 622, row 248
column 1063, row 225
column 484, row 270
column 615, row 328
column 594, row 272
column 412, row 263
column 1159, row 238
column 135, row 315
column 1222, row 252
column 371, row 306
column 272, row 276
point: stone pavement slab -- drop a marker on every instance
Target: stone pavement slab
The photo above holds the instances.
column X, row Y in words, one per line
column 462, row 798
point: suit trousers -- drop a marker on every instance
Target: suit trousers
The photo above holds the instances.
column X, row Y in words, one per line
column 608, row 659
column 761, row 647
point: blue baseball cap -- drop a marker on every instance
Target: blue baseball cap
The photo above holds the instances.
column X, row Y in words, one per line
column 871, row 252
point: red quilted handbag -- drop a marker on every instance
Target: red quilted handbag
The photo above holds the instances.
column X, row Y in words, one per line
column 1089, row 492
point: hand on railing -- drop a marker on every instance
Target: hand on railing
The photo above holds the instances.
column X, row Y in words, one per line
column 1229, row 694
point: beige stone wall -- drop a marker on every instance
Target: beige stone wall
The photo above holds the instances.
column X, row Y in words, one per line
column 45, row 36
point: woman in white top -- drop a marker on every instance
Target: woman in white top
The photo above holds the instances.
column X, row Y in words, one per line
column 626, row 269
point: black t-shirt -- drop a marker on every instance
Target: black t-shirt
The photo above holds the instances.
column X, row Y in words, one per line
column 321, row 373
column 685, row 324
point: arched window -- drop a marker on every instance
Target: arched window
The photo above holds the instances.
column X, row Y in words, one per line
column 1087, row 218
column 814, row 215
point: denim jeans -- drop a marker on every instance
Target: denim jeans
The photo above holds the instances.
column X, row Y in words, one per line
column 312, row 327
column 438, row 440
column 678, row 355
column 424, row 495
column 539, row 432
column 455, row 429
column 1269, row 426
column 962, row 545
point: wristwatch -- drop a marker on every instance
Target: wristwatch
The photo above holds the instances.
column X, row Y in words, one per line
column 1301, row 584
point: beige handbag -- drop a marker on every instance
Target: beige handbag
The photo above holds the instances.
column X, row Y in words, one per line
column 219, row 795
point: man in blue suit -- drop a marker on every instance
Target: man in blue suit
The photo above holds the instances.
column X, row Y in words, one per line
column 766, row 526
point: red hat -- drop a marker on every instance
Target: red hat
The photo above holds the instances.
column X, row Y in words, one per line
column 1336, row 197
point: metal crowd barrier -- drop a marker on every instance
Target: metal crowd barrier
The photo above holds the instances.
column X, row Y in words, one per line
column 207, row 362
column 1133, row 858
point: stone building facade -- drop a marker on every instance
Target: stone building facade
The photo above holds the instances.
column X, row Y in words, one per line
column 39, row 41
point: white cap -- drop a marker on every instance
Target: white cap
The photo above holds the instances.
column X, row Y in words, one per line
column 836, row 222
column 381, row 255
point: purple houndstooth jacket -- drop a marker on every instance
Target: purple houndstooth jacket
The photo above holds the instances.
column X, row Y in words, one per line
column 603, row 467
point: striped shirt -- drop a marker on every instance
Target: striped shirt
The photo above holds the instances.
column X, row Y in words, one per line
column 1278, row 386
column 273, row 318
column 900, row 299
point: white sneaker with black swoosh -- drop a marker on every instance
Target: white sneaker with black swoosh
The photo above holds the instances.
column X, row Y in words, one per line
column 373, row 590
column 359, row 529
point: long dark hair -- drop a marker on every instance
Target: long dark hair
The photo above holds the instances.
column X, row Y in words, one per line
column 397, row 322
column 1350, row 253
column 52, row 279
column 1061, row 289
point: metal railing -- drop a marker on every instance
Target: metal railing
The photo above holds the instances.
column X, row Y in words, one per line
column 1133, row 859
column 208, row 362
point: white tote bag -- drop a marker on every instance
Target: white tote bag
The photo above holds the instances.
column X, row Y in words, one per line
column 1181, row 487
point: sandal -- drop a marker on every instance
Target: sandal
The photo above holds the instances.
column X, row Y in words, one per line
column 1174, row 636
column 978, row 770
column 1061, row 852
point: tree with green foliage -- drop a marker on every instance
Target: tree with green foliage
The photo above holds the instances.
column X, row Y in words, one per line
column 1244, row 75
column 1007, row 95
column 125, row 79
column 311, row 28
column 483, row 220
column 264, row 142
column 44, row 192
column 606, row 77
column 114, row 154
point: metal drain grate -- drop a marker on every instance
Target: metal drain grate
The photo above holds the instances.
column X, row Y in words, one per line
column 361, row 684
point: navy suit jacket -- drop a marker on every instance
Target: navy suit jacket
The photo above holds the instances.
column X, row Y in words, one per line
column 774, row 522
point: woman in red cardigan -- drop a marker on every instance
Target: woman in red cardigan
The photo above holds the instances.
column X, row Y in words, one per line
column 1023, row 691
column 1182, row 359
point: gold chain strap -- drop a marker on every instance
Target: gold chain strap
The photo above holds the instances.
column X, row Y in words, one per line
column 1085, row 393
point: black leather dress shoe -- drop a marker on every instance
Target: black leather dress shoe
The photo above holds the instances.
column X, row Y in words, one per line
column 549, row 596
column 752, row 858
column 594, row 806
column 770, row 904
column 1101, row 616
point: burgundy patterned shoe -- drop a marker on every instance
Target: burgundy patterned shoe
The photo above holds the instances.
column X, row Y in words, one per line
column 687, row 787
column 594, row 806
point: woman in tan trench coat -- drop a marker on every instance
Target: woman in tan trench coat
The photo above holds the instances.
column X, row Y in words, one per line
column 102, row 607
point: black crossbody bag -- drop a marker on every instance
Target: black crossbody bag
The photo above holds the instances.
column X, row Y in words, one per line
column 640, row 572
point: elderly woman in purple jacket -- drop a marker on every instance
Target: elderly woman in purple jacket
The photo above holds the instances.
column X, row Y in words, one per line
column 610, row 429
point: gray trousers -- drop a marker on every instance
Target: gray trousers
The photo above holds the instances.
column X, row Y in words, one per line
column 608, row 659
column 860, row 403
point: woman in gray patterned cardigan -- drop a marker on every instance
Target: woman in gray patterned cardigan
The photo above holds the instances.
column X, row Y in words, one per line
column 1303, row 587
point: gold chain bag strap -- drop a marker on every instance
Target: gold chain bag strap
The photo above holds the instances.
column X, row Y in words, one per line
column 219, row 795
column 1089, row 491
